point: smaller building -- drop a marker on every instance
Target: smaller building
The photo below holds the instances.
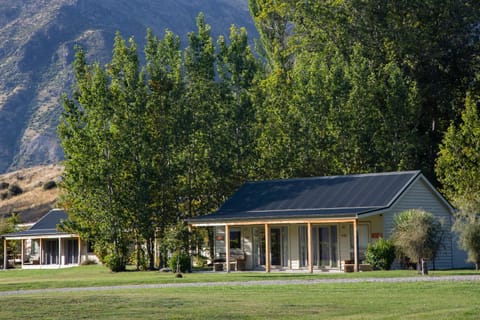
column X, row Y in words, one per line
column 43, row 246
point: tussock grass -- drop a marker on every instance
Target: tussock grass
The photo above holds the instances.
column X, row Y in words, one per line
column 34, row 200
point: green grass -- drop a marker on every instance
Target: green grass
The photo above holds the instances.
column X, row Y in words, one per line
column 94, row 275
column 420, row 300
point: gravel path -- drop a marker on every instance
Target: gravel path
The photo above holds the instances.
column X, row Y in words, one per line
column 244, row 283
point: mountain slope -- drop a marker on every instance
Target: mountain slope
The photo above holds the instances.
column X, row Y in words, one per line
column 37, row 38
column 38, row 193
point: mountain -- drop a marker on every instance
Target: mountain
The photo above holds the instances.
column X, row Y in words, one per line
column 37, row 40
column 30, row 192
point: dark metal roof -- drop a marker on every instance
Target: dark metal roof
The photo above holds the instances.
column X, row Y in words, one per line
column 331, row 196
column 47, row 225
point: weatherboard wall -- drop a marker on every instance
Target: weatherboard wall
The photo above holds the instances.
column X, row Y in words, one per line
column 420, row 195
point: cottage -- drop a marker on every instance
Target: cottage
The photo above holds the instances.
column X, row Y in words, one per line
column 322, row 223
column 43, row 246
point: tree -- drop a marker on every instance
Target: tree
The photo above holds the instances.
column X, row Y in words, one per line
column 95, row 126
column 8, row 225
column 457, row 170
column 467, row 226
column 457, row 164
column 431, row 44
column 417, row 234
column 170, row 140
column 166, row 89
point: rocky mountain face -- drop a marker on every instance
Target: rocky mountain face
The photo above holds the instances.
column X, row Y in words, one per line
column 37, row 40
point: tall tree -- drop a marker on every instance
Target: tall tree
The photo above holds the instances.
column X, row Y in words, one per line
column 166, row 86
column 457, row 164
column 238, row 74
column 200, row 126
column 431, row 43
column 457, row 170
column 93, row 176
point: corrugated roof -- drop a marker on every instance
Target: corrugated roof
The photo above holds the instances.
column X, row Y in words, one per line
column 314, row 197
column 47, row 225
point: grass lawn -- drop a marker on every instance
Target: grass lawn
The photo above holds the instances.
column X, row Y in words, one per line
column 422, row 300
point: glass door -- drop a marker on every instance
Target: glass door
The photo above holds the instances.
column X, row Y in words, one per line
column 327, row 246
column 258, row 246
column 276, row 249
column 50, row 252
column 72, row 251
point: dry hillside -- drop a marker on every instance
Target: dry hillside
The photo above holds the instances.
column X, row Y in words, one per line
column 36, row 195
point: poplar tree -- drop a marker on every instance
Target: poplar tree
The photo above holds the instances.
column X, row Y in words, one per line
column 93, row 177
column 458, row 171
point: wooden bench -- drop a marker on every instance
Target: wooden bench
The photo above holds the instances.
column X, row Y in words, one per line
column 236, row 259
column 349, row 266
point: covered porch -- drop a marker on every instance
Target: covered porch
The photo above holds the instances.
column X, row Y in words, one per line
column 327, row 244
column 43, row 246
column 54, row 251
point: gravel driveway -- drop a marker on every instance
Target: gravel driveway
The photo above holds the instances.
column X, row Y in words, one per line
column 247, row 283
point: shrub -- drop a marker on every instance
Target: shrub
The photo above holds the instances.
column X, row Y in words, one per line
column 114, row 262
column 381, row 254
column 3, row 195
column 15, row 189
column 49, row 185
column 184, row 262
column 467, row 227
column 4, row 185
column 199, row 261
column 417, row 234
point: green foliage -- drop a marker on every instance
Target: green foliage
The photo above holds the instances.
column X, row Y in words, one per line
column 170, row 141
column 8, row 225
column 417, row 234
column 457, row 170
column 381, row 254
column 114, row 262
column 183, row 264
column 396, row 74
column 457, row 164
column 199, row 261
column 4, row 185
column 467, row 226
column 340, row 89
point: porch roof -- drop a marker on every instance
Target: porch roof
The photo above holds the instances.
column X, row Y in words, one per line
column 46, row 226
column 327, row 197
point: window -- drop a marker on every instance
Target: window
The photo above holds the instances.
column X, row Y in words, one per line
column 90, row 247
column 363, row 239
column 235, row 238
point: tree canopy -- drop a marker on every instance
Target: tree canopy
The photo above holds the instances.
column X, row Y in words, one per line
column 334, row 87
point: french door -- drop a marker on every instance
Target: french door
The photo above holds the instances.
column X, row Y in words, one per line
column 72, row 251
column 326, row 249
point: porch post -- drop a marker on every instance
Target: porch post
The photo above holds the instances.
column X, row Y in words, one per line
column 227, row 247
column 79, row 251
column 190, row 255
column 41, row 251
column 267, row 247
column 22, row 251
column 310, row 247
column 59, row 251
column 355, row 244
column 5, row 258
